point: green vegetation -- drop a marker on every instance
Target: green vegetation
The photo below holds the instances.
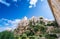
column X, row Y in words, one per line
column 54, row 23
column 50, row 36
column 35, row 30
column 6, row 35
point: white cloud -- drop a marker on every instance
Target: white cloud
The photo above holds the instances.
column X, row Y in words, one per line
column 8, row 28
column 30, row 6
column 25, row 18
column 48, row 19
column 5, row 28
column 15, row 0
column 14, row 22
column 2, row 29
column 8, row 24
column 3, row 2
column 33, row 3
column 42, row 0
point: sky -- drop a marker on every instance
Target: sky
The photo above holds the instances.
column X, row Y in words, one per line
column 11, row 11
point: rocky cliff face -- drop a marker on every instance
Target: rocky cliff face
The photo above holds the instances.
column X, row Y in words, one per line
column 55, row 7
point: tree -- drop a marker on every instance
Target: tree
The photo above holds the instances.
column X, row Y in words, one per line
column 54, row 23
column 51, row 36
column 6, row 35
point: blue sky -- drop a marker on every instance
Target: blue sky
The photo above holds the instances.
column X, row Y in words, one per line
column 13, row 10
